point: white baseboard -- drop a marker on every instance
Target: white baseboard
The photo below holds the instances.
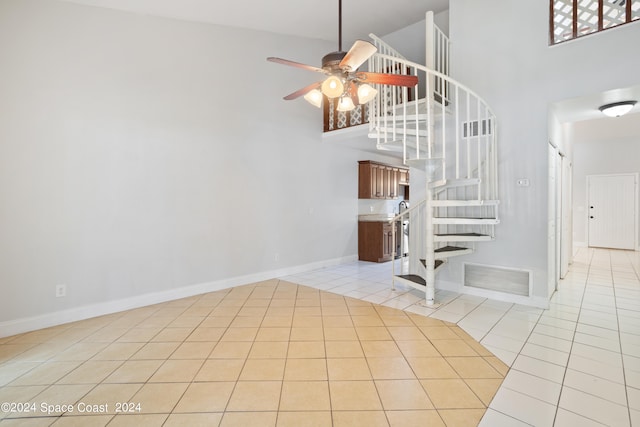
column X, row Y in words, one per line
column 46, row 320
column 532, row 301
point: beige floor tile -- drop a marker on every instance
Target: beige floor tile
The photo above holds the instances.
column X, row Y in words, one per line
column 176, row 371
column 359, row 419
column 252, row 311
column 134, row 371
column 337, row 321
column 220, row 370
column 208, row 334
column 420, row 348
column 83, row 421
column 230, row 350
column 304, row 419
column 462, row 417
column 479, row 348
column 80, row 351
column 20, row 393
column 269, row 350
column 118, row 351
column 439, row 333
column 341, row 349
column 334, row 309
column 428, row 418
column 139, row 335
column 373, row 333
column 453, row 348
column 485, row 389
column 239, row 334
column 396, row 320
column 216, row 322
column 451, row 394
column 306, row 311
column 370, row 320
column 419, row 320
column 106, row 396
column 246, row 322
column 193, row 350
column 186, row 322
column 306, row 349
column 498, row 365
column 473, row 367
column 159, row 398
column 273, row 334
column 348, row 369
column 173, row 334
column 205, row 397
column 354, row 396
column 255, row 396
column 211, row 419
column 46, row 373
column 340, row 334
column 406, row 333
column 305, row 396
column 390, row 368
column 362, row 310
column 380, row 349
column 306, row 370
column 431, row 367
column 152, row 420
column 249, row 419
column 307, row 333
column 402, row 395
column 277, row 321
column 281, row 311
column 62, row 395
column 263, row 370
column 156, row 350
column 91, row 372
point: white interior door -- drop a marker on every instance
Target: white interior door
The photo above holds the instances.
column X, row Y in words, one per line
column 612, row 210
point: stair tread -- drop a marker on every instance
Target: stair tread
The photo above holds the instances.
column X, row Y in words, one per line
column 413, row 278
column 450, row 249
column 461, row 234
column 438, row 262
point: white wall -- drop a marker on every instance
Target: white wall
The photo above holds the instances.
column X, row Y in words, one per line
column 142, row 155
column 602, row 146
column 500, row 49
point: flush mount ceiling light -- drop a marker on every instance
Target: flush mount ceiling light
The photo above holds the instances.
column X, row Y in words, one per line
column 617, row 109
column 343, row 80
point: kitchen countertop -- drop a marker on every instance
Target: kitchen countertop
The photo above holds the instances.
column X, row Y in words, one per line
column 376, row 217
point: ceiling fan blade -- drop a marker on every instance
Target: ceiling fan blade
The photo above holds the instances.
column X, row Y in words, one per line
column 359, row 52
column 303, row 91
column 388, row 79
column 295, row 64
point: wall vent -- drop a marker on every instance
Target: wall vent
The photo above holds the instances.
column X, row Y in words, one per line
column 500, row 279
column 477, row 128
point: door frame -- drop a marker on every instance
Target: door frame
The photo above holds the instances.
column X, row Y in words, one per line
column 636, row 214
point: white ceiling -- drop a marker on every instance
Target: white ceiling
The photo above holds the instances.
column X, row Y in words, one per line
column 316, row 19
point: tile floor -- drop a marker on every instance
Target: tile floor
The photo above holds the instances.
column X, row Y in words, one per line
column 309, row 357
column 268, row 354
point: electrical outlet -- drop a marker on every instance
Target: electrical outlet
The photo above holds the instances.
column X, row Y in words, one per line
column 61, row 291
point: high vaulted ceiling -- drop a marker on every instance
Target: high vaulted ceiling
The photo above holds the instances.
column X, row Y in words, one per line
column 316, row 19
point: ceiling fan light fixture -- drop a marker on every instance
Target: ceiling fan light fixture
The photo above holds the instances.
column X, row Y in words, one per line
column 332, row 87
column 617, row 109
column 366, row 93
column 345, row 104
column 314, row 98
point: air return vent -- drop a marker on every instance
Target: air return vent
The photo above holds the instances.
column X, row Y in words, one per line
column 498, row 279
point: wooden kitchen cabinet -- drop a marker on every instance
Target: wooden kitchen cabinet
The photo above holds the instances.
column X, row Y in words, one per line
column 375, row 241
column 380, row 181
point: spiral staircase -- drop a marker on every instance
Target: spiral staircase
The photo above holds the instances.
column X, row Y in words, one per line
column 447, row 134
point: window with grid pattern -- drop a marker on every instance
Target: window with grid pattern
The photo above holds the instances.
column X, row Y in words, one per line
column 570, row 19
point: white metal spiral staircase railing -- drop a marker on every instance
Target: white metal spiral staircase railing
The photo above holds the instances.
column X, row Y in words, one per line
column 447, row 132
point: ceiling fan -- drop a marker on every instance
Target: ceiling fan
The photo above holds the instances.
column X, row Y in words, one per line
column 343, row 80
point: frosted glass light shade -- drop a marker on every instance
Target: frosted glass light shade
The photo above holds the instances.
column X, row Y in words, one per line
column 345, row 104
column 366, row 93
column 314, row 98
column 332, row 87
column 617, row 109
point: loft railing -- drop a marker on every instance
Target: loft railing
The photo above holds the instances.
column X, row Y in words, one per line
column 570, row 19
